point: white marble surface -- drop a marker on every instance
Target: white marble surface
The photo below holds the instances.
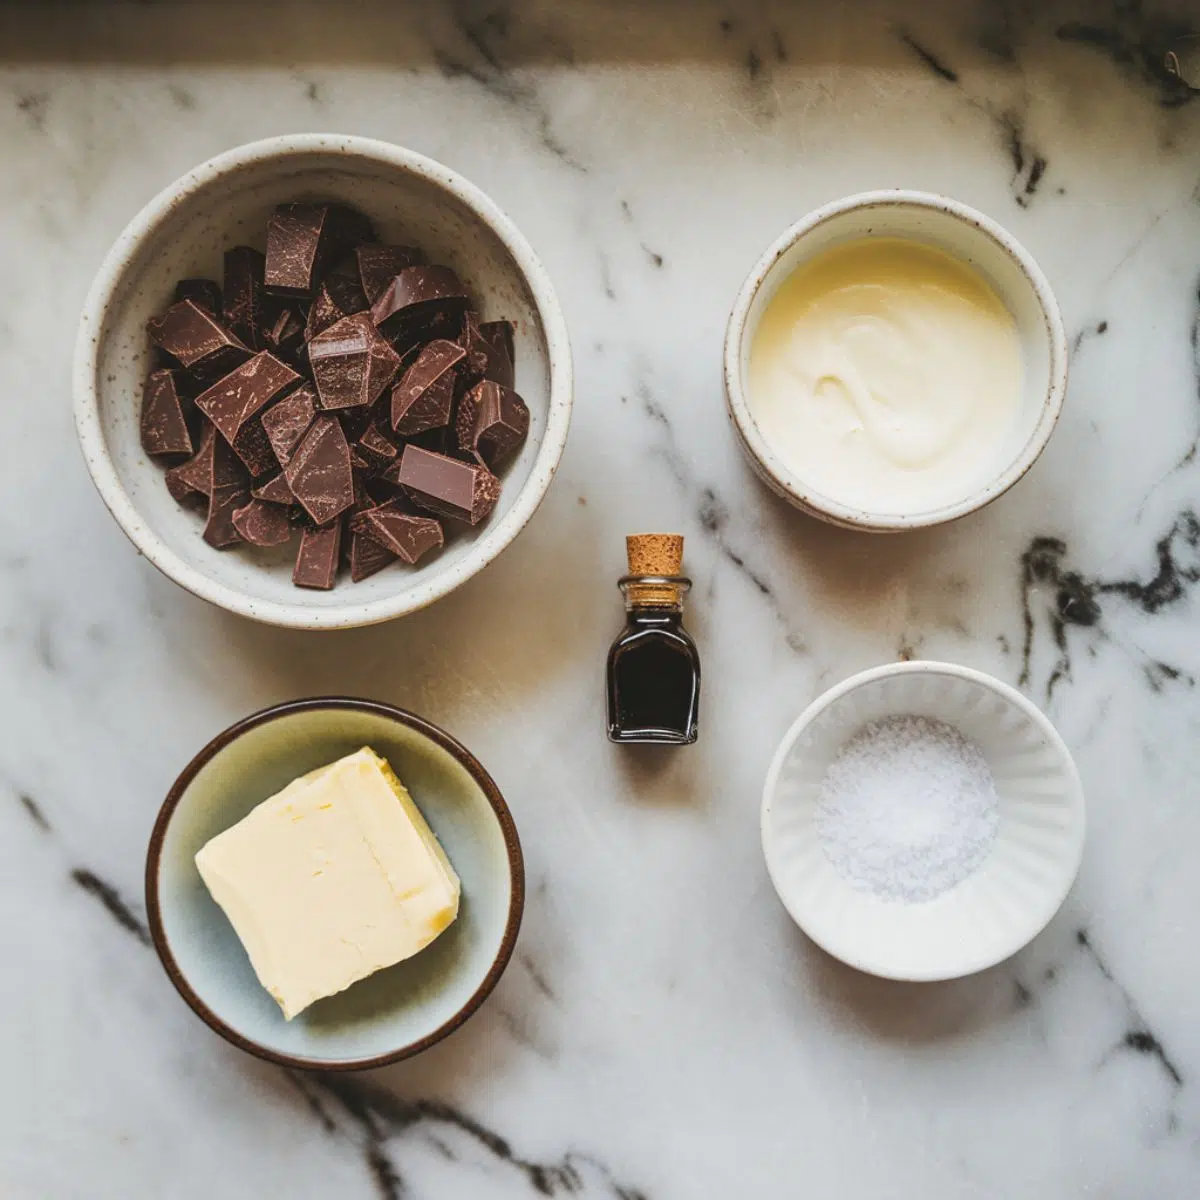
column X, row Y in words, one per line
column 664, row 1032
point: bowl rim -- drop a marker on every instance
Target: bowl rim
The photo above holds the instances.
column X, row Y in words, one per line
column 349, row 613
column 968, row 966
column 789, row 485
column 508, row 829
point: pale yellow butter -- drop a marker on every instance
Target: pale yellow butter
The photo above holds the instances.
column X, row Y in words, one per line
column 331, row 879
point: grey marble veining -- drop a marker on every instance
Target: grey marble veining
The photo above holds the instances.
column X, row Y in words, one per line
column 663, row 1032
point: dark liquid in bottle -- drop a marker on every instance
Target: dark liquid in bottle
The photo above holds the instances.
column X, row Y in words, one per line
column 653, row 680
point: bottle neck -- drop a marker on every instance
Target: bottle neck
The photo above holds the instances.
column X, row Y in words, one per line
column 656, row 593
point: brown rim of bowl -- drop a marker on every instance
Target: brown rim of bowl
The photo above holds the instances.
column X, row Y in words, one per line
column 516, row 867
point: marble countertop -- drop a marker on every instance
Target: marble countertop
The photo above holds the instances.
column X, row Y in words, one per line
column 664, row 1032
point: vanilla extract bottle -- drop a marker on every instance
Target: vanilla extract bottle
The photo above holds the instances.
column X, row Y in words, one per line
column 653, row 666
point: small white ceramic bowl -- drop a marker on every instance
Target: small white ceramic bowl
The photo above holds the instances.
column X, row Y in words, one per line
column 183, row 232
column 399, row 1011
column 989, row 915
column 965, row 234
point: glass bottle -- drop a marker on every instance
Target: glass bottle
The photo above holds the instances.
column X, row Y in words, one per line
column 653, row 666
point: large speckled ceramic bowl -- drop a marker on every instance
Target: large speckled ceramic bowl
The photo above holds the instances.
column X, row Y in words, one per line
column 991, row 913
column 396, row 1012
column 965, row 234
column 184, row 231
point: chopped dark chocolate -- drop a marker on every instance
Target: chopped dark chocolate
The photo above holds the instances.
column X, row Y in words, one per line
column 197, row 341
column 319, row 472
column 230, row 491
column 489, row 350
column 164, row 427
column 253, row 447
column 367, row 557
column 284, row 337
column 243, row 291
column 492, row 422
column 262, row 524
column 351, row 363
column 275, row 491
column 406, row 535
column 379, row 265
column 318, row 557
column 375, row 449
column 287, row 422
column 233, row 400
column 420, row 303
column 194, row 478
column 445, row 486
column 302, row 239
column 424, row 397
column 338, row 297
column 204, row 293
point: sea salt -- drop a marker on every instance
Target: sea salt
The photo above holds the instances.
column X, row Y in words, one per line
column 907, row 809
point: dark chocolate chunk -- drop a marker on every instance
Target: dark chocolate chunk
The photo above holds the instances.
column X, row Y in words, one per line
column 243, row 291
column 253, row 447
column 275, row 491
column 379, row 265
column 204, row 293
column 194, row 478
column 233, row 400
column 351, row 363
column 367, row 557
column 420, row 303
column 287, row 422
column 492, row 422
column 405, row 534
column 164, row 428
column 489, row 349
column 284, row 337
column 375, row 449
column 230, row 491
column 262, row 524
column 445, row 486
column 338, row 297
column 302, row 239
column 318, row 557
column 424, row 397
column 319, row 472
column 196, row 340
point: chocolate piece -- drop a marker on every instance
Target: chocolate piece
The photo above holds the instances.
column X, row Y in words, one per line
column 492, row 422
column 445, row 486
column 405, row 534
column 351, row 363
column 379, row 265
column 318, row 557
column 164, row 429
column 319, row 472
column 253, row 447
column 420, row 303
column 284, row 337
column 336, row 298
column 195, row 340
column 234, row 399
column 194, row 478
column 243, row 291
column 367, row 557
column 275, row 491
column 374, row 449
column 489, row 349
column 287, row 422
column 230, row 491
column 262, row 524
column 424, row 397
column 204, row 293
column 302, row 239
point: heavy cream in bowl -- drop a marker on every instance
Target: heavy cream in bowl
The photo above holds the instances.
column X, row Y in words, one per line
column 888, row 374
column 894, row 360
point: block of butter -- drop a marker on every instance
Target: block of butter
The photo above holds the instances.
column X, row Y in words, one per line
column 331, row 879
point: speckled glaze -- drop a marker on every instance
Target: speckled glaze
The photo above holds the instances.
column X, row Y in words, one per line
column 183, row 231
column 960, row 231
column 399, row 1011
column 997, row 909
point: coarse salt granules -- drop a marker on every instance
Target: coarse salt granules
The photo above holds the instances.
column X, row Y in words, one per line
column 907, row 809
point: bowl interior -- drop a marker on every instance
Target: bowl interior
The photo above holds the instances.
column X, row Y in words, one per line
column 396, row 1007
column 991, row 913
column 214, row 213
column 957, row 235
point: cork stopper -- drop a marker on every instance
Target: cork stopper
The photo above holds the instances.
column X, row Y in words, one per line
column 655, row 553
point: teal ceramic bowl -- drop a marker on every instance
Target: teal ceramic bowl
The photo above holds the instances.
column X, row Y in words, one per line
column 399, row 1011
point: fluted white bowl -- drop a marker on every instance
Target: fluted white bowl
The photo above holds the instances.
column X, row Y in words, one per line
column 989, row 915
